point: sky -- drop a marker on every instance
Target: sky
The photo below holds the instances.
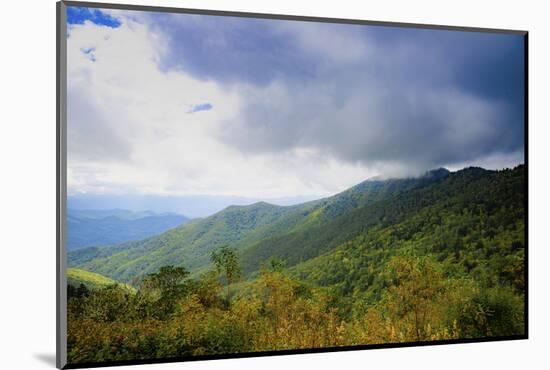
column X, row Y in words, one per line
column 180, row 105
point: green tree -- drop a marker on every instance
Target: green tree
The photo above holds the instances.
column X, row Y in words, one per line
column 166, row 287
column 274, row 264
column 226, row 261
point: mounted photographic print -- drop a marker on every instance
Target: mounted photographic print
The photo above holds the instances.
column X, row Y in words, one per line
column 235, row 184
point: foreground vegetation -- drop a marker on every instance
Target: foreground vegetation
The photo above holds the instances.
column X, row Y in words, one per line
column 173, row 316
column 438, row 259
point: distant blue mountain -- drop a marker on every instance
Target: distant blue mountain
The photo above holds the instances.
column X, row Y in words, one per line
column 87, row 228
column 124, row 214
column 192, row 206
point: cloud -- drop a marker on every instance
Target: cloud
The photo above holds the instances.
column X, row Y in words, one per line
column 383, row 97
column 128, row 132
column 333, row 43
column 229, row 49
column 419, row 128
column 300, row 108
column 399, row 107
column 92, row 134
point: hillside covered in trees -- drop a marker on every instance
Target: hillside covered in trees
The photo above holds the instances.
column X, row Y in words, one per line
column 404, row 260
column 243, row 227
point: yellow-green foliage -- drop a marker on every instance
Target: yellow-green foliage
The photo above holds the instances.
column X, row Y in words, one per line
column 92, row 280
column 279, row 312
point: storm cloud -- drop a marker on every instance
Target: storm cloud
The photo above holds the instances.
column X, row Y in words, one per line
column 179, row 104
column 374, row 95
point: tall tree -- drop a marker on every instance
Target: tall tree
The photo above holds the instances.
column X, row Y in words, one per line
column 226, row 261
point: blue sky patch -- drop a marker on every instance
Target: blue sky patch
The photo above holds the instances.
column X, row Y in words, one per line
column 200, row 107
column 89, row 52
column 78, row 15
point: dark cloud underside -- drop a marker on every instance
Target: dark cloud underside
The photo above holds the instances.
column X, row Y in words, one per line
column 365, row 94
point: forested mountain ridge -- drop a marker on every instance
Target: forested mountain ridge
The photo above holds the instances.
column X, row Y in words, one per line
column 473, row 223
column 303, row 232
column 372, row 190
column 241, row 227
column 472, row 186
column 189, row 244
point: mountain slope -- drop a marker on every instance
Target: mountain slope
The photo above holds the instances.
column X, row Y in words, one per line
column 338, row 218
column 189, row 245
column 473, row 222
column 91, row 280
column 471, row 187
column 243, row 228
column 93, row 228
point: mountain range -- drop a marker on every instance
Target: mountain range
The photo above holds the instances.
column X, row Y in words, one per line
column 372, row 219
column 105, row 227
